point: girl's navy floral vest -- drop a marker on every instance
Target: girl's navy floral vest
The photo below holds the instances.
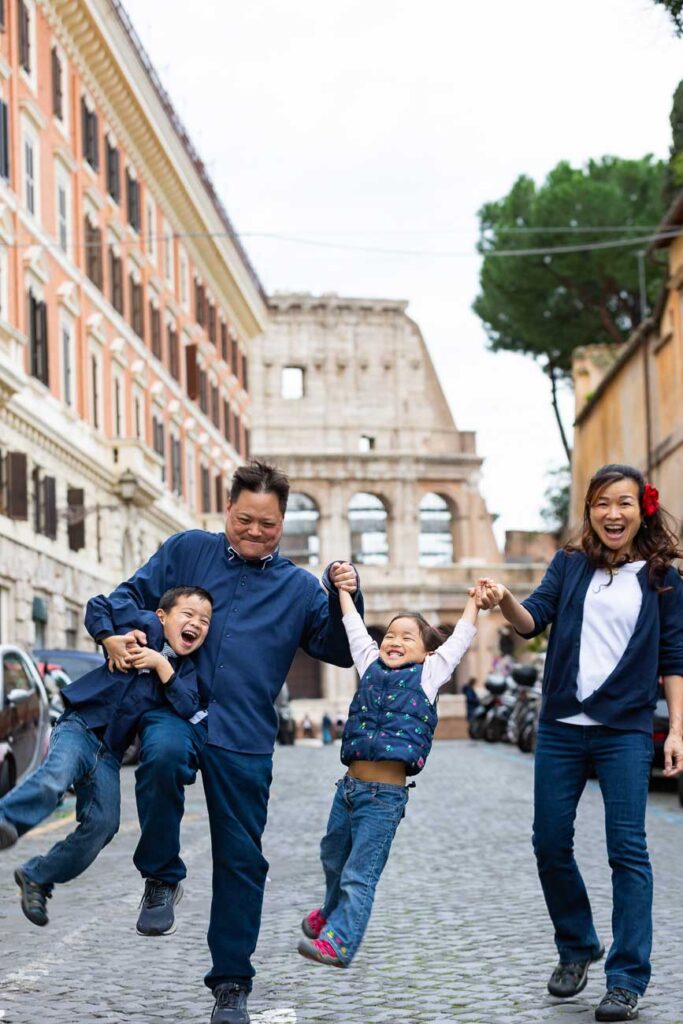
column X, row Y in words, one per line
column 390, row 718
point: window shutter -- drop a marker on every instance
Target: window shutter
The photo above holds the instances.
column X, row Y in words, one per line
column 42, row 317
column 49, row 485
column 2, row 15
column 244, row 372
column 75, row 500
column 4, row 141
column 191, row 372
column 219, row 494
column 17, row 485
column 24, row 38
column 57, row 99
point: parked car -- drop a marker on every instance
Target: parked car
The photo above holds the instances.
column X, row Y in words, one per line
column 24, row 716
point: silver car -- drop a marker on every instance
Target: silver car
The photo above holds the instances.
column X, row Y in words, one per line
column 24, row 716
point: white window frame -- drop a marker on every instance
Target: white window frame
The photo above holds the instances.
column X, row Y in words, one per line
column 288, row 391
column 118, row 405
column 150, row 227
column 29, row 138
column 138, row 424
column 96, row 409
column 66, row 105
column 184, row 264
column 64, row 225
column 66, row 330
column 32, row 76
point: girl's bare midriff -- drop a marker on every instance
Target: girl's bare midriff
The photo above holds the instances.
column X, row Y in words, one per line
column 392, row 772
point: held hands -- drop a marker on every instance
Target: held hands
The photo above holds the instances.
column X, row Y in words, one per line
column 487, row 594
column 117, row 648
column 343, row 576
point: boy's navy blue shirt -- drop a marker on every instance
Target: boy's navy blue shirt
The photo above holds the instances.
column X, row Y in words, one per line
column 627, row 698
column 114, row 702
column 263, row 612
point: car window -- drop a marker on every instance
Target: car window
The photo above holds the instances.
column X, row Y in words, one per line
column 14, row 674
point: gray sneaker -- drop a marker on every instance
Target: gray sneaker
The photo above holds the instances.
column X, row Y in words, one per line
column 34, row 898
column 156, row 908
column 231, row 1004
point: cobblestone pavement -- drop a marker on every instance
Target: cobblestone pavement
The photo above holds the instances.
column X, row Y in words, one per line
column 459, row 932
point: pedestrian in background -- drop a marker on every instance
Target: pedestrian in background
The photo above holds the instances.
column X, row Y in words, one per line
column 615, row 602
column 472, row 701
column 327, row 729
column 265, row 608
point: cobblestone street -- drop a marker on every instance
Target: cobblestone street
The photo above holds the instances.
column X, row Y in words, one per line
column 459, row 931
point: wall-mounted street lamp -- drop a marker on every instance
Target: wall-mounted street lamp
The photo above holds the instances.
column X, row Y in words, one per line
column 127, row 487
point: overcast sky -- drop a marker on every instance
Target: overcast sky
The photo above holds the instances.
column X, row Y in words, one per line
column 387, row 124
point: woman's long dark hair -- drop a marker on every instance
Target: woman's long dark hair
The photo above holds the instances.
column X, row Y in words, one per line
column 656, row 542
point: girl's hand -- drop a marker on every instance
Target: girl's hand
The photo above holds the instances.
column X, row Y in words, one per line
column 487, row 594
column 343, row 575
column 673, row 755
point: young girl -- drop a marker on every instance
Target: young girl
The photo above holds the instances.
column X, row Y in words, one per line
column 388, row 735
column 615, row 602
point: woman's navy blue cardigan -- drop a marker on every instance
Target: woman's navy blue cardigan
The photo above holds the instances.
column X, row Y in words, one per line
column 627, row 698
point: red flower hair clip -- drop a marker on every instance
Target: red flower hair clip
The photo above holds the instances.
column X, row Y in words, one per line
column 650, row 500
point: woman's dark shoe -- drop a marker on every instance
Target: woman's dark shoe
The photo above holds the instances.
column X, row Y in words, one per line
column 34, row 898
column 231, row 1005
column 8, row 834
column 617, row 1004
column 570, row 978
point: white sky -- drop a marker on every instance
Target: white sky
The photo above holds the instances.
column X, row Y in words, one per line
column 388, row 123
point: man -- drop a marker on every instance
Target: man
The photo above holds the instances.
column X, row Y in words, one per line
column 265, row 608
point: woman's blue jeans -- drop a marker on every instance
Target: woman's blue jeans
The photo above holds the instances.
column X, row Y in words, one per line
column 361, row 828
column 622, row 760
column 76, row 758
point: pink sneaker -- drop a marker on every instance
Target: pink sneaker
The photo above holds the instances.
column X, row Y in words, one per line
column 321, row 951
column 313, row 924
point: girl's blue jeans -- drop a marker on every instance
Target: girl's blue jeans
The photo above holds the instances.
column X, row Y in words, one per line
column 76, row 758
column 622, row 760
column 361, row 828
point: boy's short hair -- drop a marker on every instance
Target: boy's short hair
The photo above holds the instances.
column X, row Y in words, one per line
column 170, row 598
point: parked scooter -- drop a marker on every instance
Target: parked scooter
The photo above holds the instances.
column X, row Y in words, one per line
column 478, row 721
column 505, row 698
column 525, row 676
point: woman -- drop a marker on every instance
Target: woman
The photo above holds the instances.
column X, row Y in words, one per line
column 615, row 602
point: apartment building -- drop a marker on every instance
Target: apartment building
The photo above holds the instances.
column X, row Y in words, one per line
column 127, row 310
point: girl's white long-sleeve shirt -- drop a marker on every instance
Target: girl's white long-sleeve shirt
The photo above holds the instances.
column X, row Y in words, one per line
column 437, row 668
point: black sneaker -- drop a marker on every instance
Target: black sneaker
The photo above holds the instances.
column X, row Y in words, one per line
column 157, row 903
column 231, row 1005
column 8, row 834
column 617, row 1004
column 571, row 977
column 34, row 898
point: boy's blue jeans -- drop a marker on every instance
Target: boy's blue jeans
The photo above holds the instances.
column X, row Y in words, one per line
column 361, row 828
column 564, row 754
column 76, row 758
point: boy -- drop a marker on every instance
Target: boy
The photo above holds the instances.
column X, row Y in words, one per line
column 103, row 709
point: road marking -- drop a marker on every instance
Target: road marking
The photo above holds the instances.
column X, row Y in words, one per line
column 53, row 826
column 286, row 1015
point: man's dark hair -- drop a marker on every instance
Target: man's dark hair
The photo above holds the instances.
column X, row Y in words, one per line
column 261, row 478
column 170, row 598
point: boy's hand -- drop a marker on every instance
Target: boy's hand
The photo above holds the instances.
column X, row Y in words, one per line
column 117, row 648
column 343, row 576
column 145, row 657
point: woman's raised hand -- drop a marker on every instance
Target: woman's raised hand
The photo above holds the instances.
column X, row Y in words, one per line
column 487, row 594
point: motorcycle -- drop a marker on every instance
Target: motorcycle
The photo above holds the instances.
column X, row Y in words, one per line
column 479, row 718
column 525, row 677
column 504, row 690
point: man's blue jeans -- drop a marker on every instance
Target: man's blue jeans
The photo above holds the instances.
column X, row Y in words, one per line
column 236, row 788
column 76, row 758
column 622, row 760
column 361, row 828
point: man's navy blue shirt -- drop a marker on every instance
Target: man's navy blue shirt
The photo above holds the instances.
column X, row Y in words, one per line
column 627, row 698
column 262, row 613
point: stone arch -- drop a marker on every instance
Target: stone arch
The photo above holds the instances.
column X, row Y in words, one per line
column 368, row 523
column 437, row 517
column 300, row 539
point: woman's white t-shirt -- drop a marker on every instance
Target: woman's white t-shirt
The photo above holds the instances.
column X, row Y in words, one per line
column 610, row 613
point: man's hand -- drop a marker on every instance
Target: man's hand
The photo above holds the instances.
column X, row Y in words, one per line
column 117, row 648
column 343, row 576
column 673, row 755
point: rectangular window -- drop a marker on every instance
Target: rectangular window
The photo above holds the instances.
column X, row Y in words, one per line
column 96, row 391
column 62, row 217
column 2, row 29
column 215, row 406
column 116, row 280
column 24, row 19
column 212, row 323
column 224, row 341
column 67, row 366
column 203, row 392
column 57, row 85
column 44, row 504
column 192, row 372
column 234, row 355
column 226, row 420
column 93, row 253
column 151, row 229
column 75, row 517
column 73, row 619
column 206, row 490
column 176, row 466
column 37, row 318
column 159, row 443
column 292, row 383
column 29, row 176
column 245, row 382
column 90, row 137
column 133, row 200
column 173, row 352
column 155, row 321
column 118, row 407
column 113, row 172
column 200, row 303
column 4, row 141
column 16, row 472
column 136, row 312
column 137, row 415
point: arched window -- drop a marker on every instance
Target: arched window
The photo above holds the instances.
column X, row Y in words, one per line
column 436, row 531
column 368, row 524
column 300, row 535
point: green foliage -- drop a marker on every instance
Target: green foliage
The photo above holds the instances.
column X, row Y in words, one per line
column 675, row 9
column 546, row 306
column 674, row 172
column 555, row 511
